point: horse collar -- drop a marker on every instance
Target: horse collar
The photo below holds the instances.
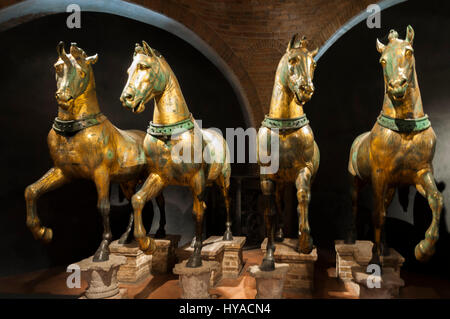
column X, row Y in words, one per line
column 170, row 129
column 404, row 125
column 285, row 124
column 71, row 127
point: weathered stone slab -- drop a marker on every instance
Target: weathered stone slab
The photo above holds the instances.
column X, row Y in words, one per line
column 165, row 257
column 359, row 255
column 138, row 265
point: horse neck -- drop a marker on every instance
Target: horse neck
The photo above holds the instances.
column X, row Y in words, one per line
column 410, row 107
column 84, row 105
column 170, row 106
column 283, row 104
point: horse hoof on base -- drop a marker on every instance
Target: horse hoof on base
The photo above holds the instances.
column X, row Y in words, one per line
column 267, row 265
column 422, row 253
column 160, row 233
column 194, row 262
column 279, row 236
column 101, row 255
column 147, row 245
column 305, row 244
column 350, row 239
column 228, row 236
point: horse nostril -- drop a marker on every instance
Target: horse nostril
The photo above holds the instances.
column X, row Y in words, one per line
column 402, row 82
column 128, row 96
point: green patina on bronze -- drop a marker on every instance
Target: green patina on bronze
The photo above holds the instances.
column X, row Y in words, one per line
column 74, row 126
column 170, row 129
column 285, row 124
column 404, row 125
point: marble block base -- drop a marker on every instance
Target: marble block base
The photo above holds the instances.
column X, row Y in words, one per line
column 232, row 262
column 300, row 276
column 102, row 277
column 269, row 284
column 195, row 282
column 164, row 258
column 138, row 265
column 359, row 254
column 365, row 287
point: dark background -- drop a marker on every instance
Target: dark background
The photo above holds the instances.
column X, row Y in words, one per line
column 348, row 98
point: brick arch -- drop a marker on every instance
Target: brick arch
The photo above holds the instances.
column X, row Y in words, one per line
column 185, row 24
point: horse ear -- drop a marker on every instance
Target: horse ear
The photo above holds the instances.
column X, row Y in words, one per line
column 147, row 49
column 314, row 52
column 60, row 48
column 380, row 46
column 294, row 41
column 409, row 34
column 92, row 59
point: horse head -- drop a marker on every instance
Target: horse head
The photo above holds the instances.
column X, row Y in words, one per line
column 297, row 69
column 397, row 61
column 73, row 74
column 147, row 78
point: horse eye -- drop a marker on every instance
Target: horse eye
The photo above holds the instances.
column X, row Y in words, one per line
column 142, row 66
column 82, row 74
column 408, row 53
column 383, row 62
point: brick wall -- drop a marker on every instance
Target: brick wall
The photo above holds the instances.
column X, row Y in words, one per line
column 251, row 35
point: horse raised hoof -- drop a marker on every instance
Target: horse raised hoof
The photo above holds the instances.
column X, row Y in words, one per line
column 160, row 233
column 267, row 265
column 228, row 235
column 279, row 235
column 147, row 245
column 305, row 243
column 424, row 251
column 194, row 261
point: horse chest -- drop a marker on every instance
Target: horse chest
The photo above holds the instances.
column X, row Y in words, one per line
column 173, row 158
column 397, row 153
column 76, row 155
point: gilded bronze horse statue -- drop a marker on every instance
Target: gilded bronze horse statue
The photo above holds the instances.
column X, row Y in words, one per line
column 298, row 152
column 399, row 149
column 84, row 144
column 174, row 131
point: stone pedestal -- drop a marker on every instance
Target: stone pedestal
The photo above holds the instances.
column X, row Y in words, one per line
column 138, row 265
column 269, row 284
column 102, row 278
column 300, row 276
column 164, row 258
column 359, row 255
column 213, row 250
column 369, row 286
column 351, row 267
column 233, row 261
column 195, row 282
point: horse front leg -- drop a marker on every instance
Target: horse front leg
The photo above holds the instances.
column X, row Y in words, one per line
column 102, row 180
column 128, row 189
column 268, row 187
column 53, row 179
column 224, row 184
column 426, row 248
column 197, row 186
column 160, row 201
column 151, row 188
column 303, row 184
column 355, row 188
column 279, row 193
